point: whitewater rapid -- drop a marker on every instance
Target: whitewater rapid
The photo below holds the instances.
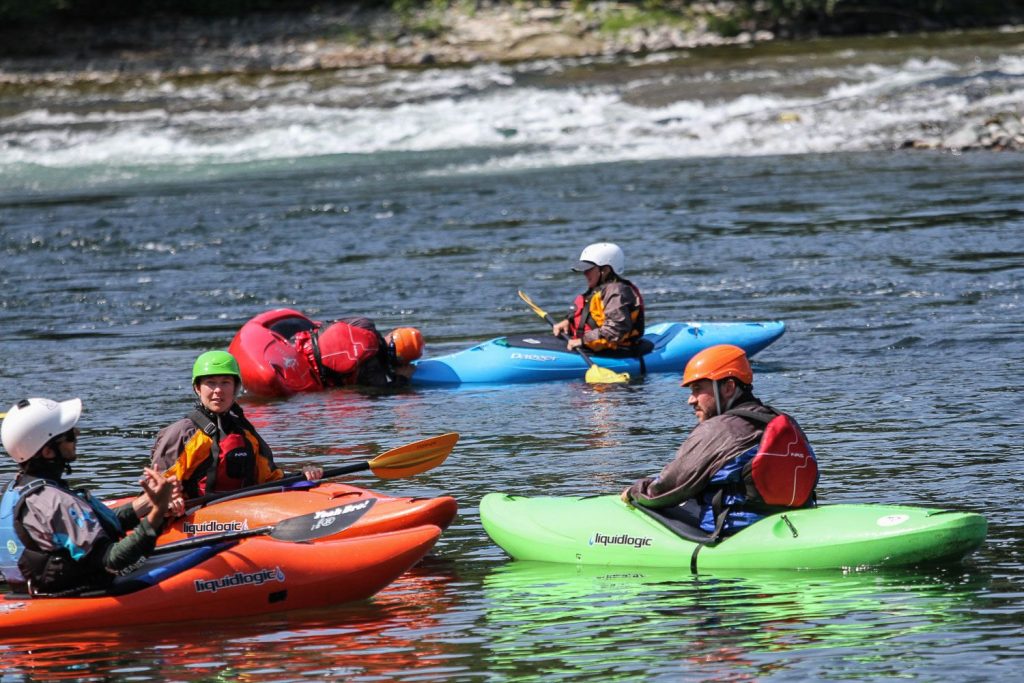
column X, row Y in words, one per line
column 735, row 102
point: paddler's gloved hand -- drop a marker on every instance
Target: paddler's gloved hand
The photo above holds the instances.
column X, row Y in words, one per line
column 625, row 496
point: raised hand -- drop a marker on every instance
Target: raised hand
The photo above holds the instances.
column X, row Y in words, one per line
column 159, row 490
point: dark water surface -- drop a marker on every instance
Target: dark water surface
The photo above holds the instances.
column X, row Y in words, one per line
column 899, row 276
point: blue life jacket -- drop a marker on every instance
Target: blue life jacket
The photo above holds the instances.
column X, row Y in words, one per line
column 10, row 540
column 20, row 560
column 779, row 473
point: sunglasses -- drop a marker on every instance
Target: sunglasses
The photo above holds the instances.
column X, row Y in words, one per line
column 70, row 436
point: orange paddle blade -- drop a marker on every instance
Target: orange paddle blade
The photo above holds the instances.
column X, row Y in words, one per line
column 414, row 458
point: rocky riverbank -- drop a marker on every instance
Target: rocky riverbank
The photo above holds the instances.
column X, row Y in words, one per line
column 338, row 37
column 1000, row 132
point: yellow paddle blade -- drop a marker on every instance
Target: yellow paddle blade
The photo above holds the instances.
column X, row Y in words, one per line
column 414, row 458
column 529, row 302
column 598, row 375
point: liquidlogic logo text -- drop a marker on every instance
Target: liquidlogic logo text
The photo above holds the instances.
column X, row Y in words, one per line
column 237, row 579
column 620, row 539
column 214, row 526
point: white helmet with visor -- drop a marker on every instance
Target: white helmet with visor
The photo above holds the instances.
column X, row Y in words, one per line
column 32, row 422
column 602, row 254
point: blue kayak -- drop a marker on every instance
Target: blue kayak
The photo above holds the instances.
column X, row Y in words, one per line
column 541, row 358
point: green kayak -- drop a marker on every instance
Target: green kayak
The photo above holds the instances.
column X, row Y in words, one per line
column 602, row 530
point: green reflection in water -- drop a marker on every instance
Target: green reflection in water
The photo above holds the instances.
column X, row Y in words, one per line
column 553, row 620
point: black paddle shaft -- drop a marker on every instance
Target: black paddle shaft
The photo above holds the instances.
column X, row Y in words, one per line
column 579, row 349
column 270, row 486
column 303, row 528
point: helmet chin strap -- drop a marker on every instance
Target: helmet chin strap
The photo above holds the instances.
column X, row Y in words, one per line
column 718, row 398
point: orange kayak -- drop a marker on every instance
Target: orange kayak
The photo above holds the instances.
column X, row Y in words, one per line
column 256, row 575
column 250, row 512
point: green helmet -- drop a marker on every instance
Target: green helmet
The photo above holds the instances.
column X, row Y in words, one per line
column 215, row 363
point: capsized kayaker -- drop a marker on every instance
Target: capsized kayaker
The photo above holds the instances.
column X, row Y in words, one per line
column 56, row 539
column 743, row 460
column 609, row 316
column 215, row 448
column 351, row 351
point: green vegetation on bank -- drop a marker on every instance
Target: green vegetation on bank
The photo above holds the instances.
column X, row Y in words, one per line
column 785, row 17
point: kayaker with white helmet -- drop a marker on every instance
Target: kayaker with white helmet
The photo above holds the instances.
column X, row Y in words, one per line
column 215, row 448
column 742, row 461
column 351, row 351
column 609, row 316
column 54, row 539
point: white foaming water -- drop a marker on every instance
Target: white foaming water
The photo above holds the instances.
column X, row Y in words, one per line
column 531, row 115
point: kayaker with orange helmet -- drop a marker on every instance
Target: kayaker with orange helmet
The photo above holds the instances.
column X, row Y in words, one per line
column 54, row 539
column 215, row 448
column 740, row 462
column 609, row 316
column 351, row 351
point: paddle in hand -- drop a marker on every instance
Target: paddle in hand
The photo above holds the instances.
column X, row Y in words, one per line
column 595, row 374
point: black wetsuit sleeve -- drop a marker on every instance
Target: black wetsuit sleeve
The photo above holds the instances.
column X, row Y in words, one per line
column 131, row 548
column 126, row 516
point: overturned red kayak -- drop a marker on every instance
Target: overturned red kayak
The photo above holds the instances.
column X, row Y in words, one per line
column 253, row 576
column 269, row 362
column 256, row 510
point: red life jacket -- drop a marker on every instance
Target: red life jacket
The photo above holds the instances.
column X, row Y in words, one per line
column 232, row 458
column 337, row 350
column 784, row 469
column 234, row 464
column 588, row 314
column 780, row 472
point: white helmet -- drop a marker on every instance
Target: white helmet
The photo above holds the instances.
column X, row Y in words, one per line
column 31, row 422
column 602, row 254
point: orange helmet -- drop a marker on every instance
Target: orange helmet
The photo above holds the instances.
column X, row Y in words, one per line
column 407, row 343
column 719, row 362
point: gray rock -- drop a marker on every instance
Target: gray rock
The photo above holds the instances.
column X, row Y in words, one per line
column 967, row 137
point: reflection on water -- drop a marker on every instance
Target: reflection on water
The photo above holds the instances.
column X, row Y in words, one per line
column 898, row 274
column 541, row 621
column 382, row 639
column 726, row 626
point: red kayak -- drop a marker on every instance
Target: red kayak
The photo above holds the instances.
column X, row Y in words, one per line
column 270, row 364
column 252, row 511
column 256, row 575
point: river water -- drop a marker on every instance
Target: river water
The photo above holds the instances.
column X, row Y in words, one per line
column 143, row 220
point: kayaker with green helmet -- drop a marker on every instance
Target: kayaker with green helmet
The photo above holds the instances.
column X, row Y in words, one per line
column 54, row 539
column 743, row 460
column 215, row 448
column 609, row 316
